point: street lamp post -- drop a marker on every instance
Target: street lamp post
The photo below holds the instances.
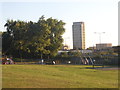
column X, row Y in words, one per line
column 100, row 42
column 100, row 33
column 103, row 61
column 93, row 63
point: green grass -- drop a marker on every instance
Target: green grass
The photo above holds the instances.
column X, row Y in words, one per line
column 57, row 76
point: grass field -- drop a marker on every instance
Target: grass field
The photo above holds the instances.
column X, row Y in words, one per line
column 57, row 76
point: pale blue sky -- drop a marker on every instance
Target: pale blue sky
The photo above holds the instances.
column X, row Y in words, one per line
column 98, row 15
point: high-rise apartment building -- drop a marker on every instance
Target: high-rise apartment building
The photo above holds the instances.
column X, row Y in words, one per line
column 78, row 35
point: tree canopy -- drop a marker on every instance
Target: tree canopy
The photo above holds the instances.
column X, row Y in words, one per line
column 41, row 38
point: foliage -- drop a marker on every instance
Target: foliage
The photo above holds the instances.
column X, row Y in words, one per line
column 39, row 38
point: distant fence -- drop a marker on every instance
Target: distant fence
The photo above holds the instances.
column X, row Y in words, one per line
column 72, row 60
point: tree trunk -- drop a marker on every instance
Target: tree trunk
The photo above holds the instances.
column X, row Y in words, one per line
column 41, row 56
column 20, row 55
column 48, row 57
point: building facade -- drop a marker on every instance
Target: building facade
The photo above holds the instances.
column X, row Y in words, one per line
column 103, row 45
column 78, row 29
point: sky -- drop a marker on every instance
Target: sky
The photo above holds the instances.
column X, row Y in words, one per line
column 98, row 15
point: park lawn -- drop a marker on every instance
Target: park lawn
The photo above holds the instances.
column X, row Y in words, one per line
column 57, row 76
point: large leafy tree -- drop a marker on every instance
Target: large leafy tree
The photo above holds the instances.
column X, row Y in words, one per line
column 57, row 29
column 36, row 38
column 16, row 34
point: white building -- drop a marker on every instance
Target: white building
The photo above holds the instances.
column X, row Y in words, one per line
column 78, row 35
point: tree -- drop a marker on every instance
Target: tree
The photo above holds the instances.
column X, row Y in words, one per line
column 16, row 30
column 40, row 38
column 57, row 29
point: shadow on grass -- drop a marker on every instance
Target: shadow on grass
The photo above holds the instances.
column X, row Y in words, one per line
column 103, row 67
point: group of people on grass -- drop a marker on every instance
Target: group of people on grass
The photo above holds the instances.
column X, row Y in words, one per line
column 7, row 60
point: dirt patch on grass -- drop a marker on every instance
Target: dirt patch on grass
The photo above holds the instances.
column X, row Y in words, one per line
column 108, row 68
column 104, row 68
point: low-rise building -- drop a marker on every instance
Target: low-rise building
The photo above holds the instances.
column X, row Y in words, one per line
column 103, row 45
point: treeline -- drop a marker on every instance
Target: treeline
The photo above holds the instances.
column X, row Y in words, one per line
column 41, row 39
